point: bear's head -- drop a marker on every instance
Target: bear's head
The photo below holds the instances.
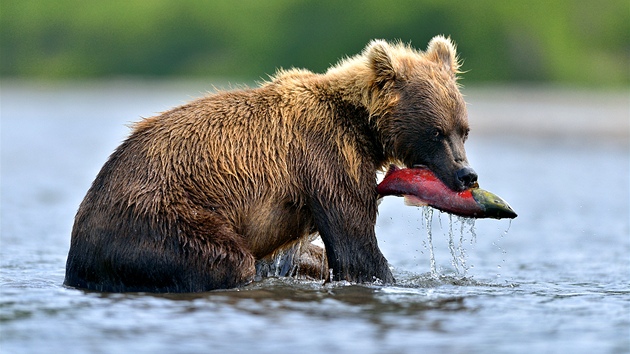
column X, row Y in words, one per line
column 420, row 114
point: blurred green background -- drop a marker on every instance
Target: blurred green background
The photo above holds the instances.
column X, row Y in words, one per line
column 563, row 42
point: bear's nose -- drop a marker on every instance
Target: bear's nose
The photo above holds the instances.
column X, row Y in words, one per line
column 467, row 176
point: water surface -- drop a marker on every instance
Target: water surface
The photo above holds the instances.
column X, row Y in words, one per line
column 556, row 279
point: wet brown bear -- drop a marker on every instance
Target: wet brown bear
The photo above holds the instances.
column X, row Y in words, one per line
column 195, row 196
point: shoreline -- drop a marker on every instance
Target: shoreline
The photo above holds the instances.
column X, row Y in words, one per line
column 550, row 112
column 493, row 110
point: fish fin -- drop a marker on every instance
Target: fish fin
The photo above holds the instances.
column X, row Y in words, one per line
column 412, row 200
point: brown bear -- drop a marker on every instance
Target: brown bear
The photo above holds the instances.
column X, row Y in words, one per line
column 194, row 197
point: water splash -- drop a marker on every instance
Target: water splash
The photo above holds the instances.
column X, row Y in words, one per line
column 456, row 246
column 459, row 254
column 278, row 263
column 305, row 259
column 461, row 251
column 473, row 233
column 502, row 250
column 427, row 213
column 451, row 245
column 470, row 222
column 324, row 265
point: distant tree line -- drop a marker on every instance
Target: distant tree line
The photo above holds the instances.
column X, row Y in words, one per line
column 555, row 41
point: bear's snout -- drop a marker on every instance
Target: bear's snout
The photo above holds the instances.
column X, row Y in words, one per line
column 466, row 176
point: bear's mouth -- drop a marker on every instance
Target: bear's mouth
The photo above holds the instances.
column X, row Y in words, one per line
column 450, row 182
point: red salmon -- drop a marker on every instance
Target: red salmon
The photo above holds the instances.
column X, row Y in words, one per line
column 420, row 186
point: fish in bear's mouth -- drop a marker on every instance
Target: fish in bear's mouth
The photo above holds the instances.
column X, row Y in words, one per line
column 421, row 187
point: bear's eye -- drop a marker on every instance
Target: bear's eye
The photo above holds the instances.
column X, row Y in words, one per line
column 437, row 134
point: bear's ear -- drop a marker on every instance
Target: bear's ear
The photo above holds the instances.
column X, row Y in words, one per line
column 442, row 51
column 380, row 62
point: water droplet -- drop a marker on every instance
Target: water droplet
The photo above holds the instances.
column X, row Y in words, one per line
column 428, row 219
column 451, row 245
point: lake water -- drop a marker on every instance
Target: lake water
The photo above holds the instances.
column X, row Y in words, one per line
column 555, row 279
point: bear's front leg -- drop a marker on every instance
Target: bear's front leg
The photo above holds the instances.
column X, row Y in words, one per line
column 345, row 222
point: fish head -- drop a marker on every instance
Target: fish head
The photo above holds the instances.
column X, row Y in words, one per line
column 493, row 205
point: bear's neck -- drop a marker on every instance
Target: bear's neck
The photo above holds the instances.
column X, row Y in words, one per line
column 353, row 99
column 349, row 89
column 351, row 80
